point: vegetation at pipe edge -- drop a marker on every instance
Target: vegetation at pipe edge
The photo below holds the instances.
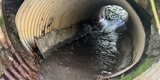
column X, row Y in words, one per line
column 142, row 67
column 115, row 13
column 155, row 15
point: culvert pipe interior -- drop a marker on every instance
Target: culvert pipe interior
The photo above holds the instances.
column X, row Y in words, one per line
column 38, row 18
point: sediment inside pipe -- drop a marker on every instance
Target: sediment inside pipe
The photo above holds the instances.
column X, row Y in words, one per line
column 37, row 18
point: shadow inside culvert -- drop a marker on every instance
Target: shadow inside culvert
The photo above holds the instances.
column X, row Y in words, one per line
column 88, row 57
column 95, row 53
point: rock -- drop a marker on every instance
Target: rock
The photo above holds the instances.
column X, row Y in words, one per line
column 154, row 45
column 154, row 42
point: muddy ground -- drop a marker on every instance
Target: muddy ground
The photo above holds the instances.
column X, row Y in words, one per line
column 87, row 57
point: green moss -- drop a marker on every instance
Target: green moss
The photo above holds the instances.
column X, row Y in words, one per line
column 142, row 67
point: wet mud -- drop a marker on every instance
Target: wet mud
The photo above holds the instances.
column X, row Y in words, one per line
column 93, row 54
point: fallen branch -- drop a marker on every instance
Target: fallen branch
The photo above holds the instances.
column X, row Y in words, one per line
column 155, row 15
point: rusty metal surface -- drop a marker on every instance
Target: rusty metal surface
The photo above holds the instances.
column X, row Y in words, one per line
column 14, row 64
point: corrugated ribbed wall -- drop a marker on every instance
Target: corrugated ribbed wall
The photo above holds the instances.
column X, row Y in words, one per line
column 36, row 17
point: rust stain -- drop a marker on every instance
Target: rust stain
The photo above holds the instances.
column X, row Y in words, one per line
column 19, row 68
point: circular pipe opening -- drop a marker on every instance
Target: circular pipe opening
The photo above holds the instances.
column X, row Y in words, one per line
column 35, row 19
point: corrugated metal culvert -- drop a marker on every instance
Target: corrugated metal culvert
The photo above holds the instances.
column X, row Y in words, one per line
column 34, row 28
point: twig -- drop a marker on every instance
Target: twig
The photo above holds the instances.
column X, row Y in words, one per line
column 155, row 15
